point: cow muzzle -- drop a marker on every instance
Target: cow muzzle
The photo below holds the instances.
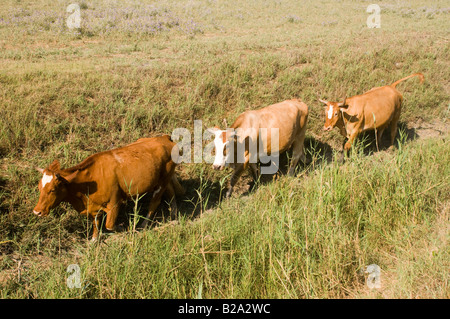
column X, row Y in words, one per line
column 218, row 167
column 327, row 128
column 39, row 213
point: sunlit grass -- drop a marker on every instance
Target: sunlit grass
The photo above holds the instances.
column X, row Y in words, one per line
column 139, row 69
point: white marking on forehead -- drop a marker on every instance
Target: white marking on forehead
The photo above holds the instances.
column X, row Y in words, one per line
column 330, row 112
column 218, row 137
column 46, row 179
column 219, row 159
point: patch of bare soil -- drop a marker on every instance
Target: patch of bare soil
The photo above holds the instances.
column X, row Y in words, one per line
column 434, row 128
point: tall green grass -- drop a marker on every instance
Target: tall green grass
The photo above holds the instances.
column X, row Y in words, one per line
column 309, row 236
column 66, row 95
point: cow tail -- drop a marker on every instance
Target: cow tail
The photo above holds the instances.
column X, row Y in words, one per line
column 420, row 75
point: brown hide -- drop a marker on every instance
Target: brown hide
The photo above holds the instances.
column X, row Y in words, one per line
column 376, row 109
column 289, row 117
column 104, row 180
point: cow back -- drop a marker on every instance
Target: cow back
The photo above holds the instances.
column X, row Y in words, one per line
column 289, row 117
column 375, row 107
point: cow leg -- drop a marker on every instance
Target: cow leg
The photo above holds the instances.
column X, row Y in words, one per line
column 96, row 226
column 351, row 138
column 112, row 208
column 235, row 177
column 344, row 153
column 239, row 169
column 170, row 191
column 348, row 145
column 154, row 203
column 112, row 211
column 297, row 154
column 255, row 171
column 393, row 128
column 380, row 131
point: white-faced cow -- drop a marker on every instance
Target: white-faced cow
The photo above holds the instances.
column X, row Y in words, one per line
column 284, row 121
column 376, row 109
column 104, row 180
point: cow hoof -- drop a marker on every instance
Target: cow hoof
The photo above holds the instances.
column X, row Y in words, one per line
column 143, row 225
column 119, row 228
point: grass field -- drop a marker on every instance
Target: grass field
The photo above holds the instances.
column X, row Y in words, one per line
column 141, row 68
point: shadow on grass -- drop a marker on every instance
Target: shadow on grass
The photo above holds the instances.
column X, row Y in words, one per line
column 367, row 140
column 201, row 196
column 204, row 193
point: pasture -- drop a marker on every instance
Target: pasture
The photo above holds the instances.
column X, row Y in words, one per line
column 141, row 68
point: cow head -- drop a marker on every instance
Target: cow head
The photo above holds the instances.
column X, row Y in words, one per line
column 222, row 138
column 52, row 187
column 333, row 113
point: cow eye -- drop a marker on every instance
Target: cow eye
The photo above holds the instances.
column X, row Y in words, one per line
column 335, row 114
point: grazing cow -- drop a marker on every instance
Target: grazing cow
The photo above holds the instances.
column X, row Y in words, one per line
column 104, row 180
column 288, row 118
column 375, row 109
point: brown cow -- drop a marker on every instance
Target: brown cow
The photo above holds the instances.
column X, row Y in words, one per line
column 103, row 180
column 375, row 109
column 288, row 118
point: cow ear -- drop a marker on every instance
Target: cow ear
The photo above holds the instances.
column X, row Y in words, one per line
column 55, row 166
column 40, row 170
column 343, row 104
column 60, row 178
column 323, row 101
column 68, row 179
column 72, row 176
